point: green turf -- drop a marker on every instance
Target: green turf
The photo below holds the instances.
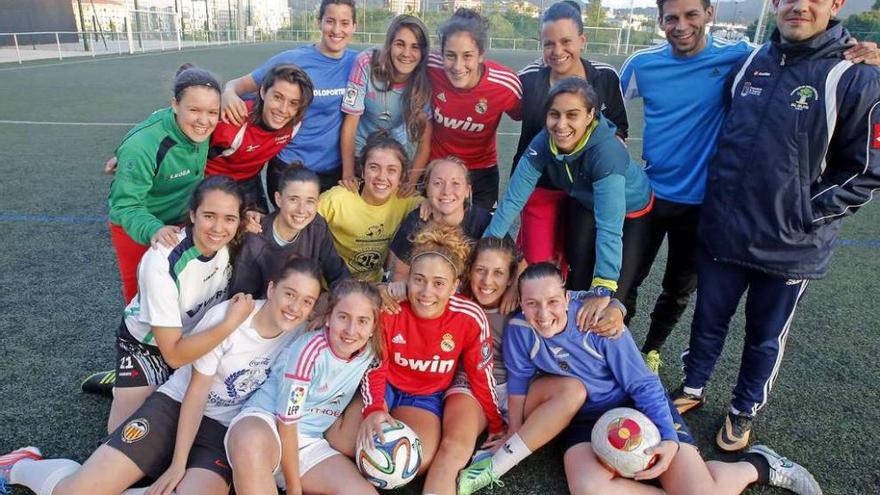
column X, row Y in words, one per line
column 61, row 300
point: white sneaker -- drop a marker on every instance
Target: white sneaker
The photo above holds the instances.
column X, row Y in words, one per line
column 787, row 474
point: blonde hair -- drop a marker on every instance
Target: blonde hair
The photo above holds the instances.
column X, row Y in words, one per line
column 447, row 242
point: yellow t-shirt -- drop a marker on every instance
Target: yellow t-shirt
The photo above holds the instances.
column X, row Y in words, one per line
column 362, row 232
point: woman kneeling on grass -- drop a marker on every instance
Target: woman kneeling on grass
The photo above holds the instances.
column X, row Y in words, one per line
column 176, row 286
column 544, row 339
column 362, row 224
column 176, row 436
column 278, row 438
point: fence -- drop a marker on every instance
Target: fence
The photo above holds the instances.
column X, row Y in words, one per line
column 21, row 47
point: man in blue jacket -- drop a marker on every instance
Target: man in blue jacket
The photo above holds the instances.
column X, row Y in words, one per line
column 798, row 151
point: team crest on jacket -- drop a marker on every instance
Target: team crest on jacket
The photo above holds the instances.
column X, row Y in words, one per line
column 441, row 96
column 135, row 430
column 446, row 342
column 801, row 97
column 482, row 106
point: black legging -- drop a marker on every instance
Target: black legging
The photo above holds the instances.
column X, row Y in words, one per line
column 580, row 251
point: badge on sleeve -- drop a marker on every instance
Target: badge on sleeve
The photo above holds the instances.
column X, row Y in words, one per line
column 875, row 139
column 295, row 401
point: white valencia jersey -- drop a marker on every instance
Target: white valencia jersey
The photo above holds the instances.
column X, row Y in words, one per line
column 239, row 365
column 176, row 287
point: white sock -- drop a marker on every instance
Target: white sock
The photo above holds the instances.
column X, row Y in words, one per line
column 694, row 391
column 42, row 476
column 509, row 455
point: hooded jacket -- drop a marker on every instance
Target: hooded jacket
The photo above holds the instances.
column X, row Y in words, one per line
column 599, row 174
column 798, row 151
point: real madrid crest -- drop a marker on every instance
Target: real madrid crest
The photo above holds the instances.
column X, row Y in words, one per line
column 446, row 342
column 482, row 106
column 135, row 430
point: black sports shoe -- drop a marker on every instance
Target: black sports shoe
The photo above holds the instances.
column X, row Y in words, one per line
column 734, row 435
column 686, row 402
column 100, row 383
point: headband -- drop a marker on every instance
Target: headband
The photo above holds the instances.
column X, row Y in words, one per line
column 437, row 253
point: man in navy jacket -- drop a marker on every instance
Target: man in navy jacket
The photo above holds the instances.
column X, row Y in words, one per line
column 798, row 151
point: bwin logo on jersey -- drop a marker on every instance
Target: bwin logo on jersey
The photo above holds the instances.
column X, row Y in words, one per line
column 465, row 125
column 433, row 365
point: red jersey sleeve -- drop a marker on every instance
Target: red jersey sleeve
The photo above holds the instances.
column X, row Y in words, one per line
column 476, row 359
column 374, row 380
column 373, row 387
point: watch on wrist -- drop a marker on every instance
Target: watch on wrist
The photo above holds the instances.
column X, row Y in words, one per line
column 601, row 291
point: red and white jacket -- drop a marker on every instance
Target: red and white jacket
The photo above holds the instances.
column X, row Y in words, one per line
column 241, row 152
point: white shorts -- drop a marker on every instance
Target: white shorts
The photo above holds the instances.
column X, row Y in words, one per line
column 461, row 385
column 312, row 450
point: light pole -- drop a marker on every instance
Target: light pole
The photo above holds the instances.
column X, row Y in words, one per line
column 629, row 24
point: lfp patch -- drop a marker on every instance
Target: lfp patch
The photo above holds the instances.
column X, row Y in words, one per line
column 295, row 401
column 135, row 430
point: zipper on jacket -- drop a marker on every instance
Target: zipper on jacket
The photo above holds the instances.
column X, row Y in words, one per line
column 782, row 62
column 568, row 171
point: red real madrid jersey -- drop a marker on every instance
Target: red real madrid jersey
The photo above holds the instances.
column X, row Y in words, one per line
column 465, row 121
column 421, row 356
column 240, row 152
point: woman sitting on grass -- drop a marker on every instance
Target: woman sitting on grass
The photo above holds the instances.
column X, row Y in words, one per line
column 176, row 437
column 278, row 438
column 543, row 339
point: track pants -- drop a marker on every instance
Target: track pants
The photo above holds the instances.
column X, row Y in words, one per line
column 580, row 252
column 128, row 255
column 677, row 223
column 770, row 305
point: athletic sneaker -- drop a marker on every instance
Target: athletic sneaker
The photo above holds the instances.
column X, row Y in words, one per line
column 787, row 474
column 685, row 402
column 477, row 476
column 652, row 361
column 9, row 460
column 734, row 435
column 101, row 383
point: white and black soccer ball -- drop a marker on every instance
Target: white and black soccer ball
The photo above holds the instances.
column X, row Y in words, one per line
column 621, row 438
column 394, row 462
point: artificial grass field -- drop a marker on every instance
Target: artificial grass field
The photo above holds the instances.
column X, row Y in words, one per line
column 59, row 284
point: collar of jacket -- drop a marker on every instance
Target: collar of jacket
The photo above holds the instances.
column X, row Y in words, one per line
column 832, row 42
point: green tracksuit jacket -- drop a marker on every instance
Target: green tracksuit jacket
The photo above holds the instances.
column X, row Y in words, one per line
column 157, row 170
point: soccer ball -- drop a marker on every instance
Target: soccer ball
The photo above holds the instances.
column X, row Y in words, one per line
column 621, row 437
column 392, row 463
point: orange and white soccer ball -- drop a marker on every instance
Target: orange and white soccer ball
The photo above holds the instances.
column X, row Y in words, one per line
column 621, row 438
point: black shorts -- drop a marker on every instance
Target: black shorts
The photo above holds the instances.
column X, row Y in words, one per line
column 581, row 428
column 147, row 438
column 484, row 184
column 138, row 364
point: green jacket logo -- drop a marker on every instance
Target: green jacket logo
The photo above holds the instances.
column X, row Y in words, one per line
column 801, row 97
